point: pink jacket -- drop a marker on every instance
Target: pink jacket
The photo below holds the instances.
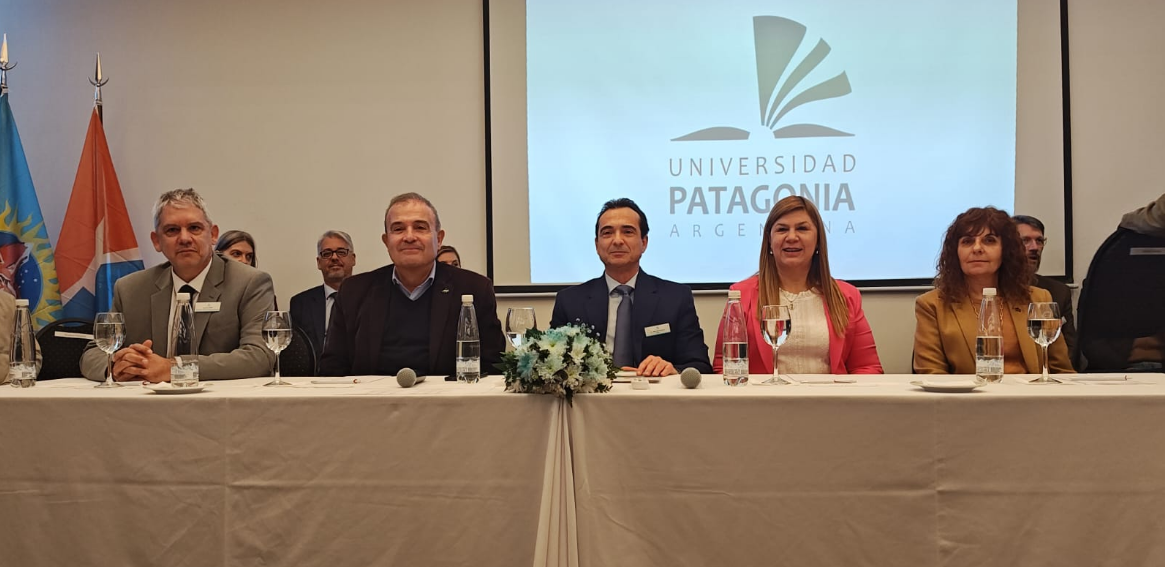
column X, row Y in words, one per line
column 853, row 354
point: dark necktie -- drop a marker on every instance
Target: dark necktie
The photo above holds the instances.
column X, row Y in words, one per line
column 624, row 339
column 328, row 303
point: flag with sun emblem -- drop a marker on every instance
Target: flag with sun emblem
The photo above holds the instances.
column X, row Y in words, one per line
column 26, row 255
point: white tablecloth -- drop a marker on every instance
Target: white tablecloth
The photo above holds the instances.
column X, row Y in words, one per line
column 874, row 473
column 362, row 474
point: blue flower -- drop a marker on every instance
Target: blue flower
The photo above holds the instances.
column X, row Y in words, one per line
column 526, row 362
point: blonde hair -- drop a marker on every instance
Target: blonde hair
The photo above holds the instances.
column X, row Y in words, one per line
column 769, row 280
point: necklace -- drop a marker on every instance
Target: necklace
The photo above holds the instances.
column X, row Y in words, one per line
column 977, row 308
column 790, row 298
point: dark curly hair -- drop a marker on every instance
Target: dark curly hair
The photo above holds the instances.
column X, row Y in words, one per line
column 1015, row 273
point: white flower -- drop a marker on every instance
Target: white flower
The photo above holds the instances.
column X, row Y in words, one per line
column 578, row 351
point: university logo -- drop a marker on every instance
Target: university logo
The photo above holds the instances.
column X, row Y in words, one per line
column 777, row 40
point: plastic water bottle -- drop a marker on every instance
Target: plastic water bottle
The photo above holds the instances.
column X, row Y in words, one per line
column 468, row 343
column 735, row 340
column 989, row 342
column 22, row 364
column 184, row 371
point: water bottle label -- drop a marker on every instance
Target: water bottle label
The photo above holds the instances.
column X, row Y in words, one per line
column 736, row 367
column 184, row 375
column 469, row 366
column 989, row 366
column 21, row 372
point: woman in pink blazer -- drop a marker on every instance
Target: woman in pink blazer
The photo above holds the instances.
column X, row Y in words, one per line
column 794, row 270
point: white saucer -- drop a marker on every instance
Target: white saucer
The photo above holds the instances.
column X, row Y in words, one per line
column 946, row 387
column 166, row 388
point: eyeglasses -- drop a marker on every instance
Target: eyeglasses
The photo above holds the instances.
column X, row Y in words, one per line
column 327, row 253
column 1037, row 240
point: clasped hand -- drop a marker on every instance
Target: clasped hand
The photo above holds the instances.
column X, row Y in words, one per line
column 140, row 362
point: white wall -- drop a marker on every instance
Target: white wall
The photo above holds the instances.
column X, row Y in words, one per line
column 293, row 117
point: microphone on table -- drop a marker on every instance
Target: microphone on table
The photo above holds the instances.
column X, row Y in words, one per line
column 406, row 377
column 690, row 377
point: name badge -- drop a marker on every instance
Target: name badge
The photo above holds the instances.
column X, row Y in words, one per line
column 207, row 306
column 657, row 330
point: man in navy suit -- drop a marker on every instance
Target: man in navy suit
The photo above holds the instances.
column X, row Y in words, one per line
column 311, row 310
column 650, row 324
column 405, row 315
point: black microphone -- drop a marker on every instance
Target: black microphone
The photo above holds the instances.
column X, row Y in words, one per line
column 406, row 377
column 690, row 377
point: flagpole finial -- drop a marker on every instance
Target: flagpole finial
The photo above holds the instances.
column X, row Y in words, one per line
column 5, row 66
column 97, row 81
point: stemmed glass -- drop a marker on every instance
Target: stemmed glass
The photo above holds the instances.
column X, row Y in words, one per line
column 277, row 335
column 108, row 334
column 518, row 321
column 1043, row 324
column 776, row 323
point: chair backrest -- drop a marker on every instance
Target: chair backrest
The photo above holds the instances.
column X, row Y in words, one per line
column 60, row 350
column 1122, row 298
column 299, row 358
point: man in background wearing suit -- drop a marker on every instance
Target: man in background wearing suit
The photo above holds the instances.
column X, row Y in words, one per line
column 311, row 310
column 229, row 298
column 1031, row 231
column 404, row 315
column 648, row 323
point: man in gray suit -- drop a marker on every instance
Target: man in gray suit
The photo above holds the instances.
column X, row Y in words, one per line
column 229, row 298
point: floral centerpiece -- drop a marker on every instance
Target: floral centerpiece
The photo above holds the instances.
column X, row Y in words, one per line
column 563, row 361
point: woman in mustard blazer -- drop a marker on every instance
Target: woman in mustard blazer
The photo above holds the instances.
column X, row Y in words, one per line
column 981, row 249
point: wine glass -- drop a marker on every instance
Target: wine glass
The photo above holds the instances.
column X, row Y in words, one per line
column 108, row 334
column 518, row 321
column 277, row 335
column 776, row 323
column 1043, row 324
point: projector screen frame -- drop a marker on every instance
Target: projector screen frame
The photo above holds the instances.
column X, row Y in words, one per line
column 879, row 284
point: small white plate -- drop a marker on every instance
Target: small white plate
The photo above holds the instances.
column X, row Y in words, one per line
column 947, row 387
column 624, row 373
column 166, row 388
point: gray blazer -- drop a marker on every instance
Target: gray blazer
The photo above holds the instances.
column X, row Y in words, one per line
column 230, row 341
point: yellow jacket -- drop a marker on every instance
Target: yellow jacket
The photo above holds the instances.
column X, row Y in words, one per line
column 944, row 337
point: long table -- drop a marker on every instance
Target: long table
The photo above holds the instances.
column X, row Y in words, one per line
column 872, row 473
column 357, row 474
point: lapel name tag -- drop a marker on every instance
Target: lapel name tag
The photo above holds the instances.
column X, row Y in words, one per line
column 207, row 306
column 657, row 330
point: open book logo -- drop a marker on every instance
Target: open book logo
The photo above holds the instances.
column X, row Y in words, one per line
column 777, row 40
